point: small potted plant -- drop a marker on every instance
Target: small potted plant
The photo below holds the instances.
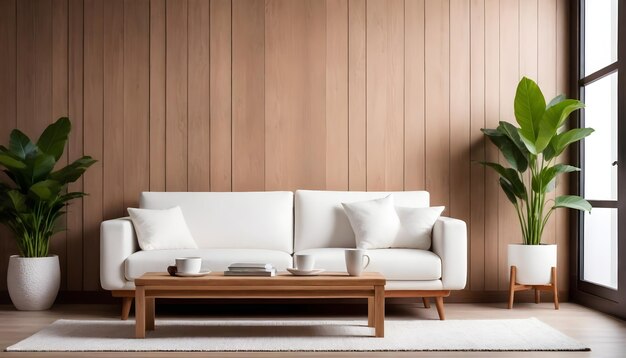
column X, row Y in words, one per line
column 531, row 152
column 31, row 202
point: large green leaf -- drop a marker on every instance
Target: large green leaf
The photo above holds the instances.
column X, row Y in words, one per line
column 516, row 158
column 550, row 151
column 508, row 190
column 544, row 180
column 572, row 202
column 555, row 100
column 530, row 145
column 10, row 162
column 72, row 172
column 46, row 189
column 52, row 140
column 18, row 200
column 563, row 140
column 529, row 108
column 568, row 110
column 511, row 176
column 70, row 196
column 512, row 132
column 553, row 118
column 42, row 166
column 20, row 145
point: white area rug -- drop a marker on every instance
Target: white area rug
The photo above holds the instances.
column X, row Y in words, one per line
column 286, row 335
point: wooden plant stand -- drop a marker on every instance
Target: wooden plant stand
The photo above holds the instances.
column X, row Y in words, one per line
column 514, row 286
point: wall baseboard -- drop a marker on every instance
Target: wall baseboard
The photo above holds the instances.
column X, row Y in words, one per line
column 104, row 297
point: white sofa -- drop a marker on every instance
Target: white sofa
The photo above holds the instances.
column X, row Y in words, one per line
column 260, row 227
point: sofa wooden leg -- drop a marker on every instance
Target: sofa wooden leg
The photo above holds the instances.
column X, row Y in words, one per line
column 439, row 304
column 127, row 302
column 426, row 302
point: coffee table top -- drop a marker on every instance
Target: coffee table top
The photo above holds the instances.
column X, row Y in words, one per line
column 281, row 279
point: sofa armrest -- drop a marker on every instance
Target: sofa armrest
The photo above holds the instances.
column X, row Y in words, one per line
column 450, row 243
column 117, row 242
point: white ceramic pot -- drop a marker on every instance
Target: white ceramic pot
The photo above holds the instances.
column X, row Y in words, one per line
column 33, row 282
column 533, row 262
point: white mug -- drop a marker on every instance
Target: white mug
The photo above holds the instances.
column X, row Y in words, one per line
column 304, row 262
column 188, row 264
column 354, row 261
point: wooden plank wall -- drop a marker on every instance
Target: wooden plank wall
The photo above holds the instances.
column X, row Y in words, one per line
column 197, row 95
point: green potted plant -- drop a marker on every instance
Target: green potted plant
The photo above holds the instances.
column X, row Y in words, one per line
column 32, row 201
column 531, row 151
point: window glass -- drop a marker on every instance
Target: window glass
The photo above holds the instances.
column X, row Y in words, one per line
column 600, row 34
column 600, row 247
column 601, row 147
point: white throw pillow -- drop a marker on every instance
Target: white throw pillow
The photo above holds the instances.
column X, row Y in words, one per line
column 375, row 222
column 416, row 227
column 161, row 229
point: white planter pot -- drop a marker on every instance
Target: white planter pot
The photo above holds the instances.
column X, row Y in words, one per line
column 533, row 262
column 33, row 282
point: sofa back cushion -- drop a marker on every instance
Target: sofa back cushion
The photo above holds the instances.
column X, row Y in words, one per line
column 243, row 220
column 321, row 221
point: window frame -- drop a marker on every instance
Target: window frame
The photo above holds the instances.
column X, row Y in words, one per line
column 602, row 298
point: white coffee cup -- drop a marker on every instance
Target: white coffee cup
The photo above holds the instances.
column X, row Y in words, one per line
column 354, row 261
column 304, row 262
column 188, row 264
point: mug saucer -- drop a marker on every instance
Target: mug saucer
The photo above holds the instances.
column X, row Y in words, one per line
column 192, row 274
column 297, row 272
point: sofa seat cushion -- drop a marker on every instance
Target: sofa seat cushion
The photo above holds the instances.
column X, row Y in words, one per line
column 394, row 264
column 212, row 259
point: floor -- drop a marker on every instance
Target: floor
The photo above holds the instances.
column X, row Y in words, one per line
column 605, row 335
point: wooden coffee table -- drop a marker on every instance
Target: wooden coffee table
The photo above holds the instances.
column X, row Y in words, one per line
column 370, row 285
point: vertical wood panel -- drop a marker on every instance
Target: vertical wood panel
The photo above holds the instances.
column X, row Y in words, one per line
column 357, row 95
column 248, row 45
column 414, row 86
column 221, row 124
column 385, row 95
column 437, row 110
column 93, row 109
column 8, row 101
column 508, row 224
column 199, row 101
column 176, row 96
column 477, row 143
column 295, row 58
column 137, row 111
column 59, row 108
column 492, row 116
column 157, row 95
column 113, row 111
column 26, row 72
column 75, row 146
column 337, row 94
column 43, row 65
column 546, row 79
column 528, row 38
column 562, row 217
column 460, row 119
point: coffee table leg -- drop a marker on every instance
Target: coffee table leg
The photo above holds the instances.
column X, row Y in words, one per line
column 150, row 313
column 379, row 314
column 371, row 309
column 140, row 312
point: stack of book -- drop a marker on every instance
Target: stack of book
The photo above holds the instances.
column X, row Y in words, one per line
column 250, row 269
